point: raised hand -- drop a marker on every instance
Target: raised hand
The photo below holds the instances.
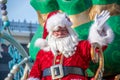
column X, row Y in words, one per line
column 101, row 18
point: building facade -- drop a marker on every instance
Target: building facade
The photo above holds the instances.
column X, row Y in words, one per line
column 23, row 33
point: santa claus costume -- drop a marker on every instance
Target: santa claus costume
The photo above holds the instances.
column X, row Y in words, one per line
column 67, row 58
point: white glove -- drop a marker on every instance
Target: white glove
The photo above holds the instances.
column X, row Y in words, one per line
column 101, row 18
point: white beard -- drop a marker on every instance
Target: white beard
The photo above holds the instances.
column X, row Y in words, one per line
column 66, row 46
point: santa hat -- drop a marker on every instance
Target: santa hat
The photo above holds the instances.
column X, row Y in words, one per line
column 54, row 20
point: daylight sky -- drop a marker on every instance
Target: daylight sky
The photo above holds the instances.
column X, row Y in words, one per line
column 20, row 10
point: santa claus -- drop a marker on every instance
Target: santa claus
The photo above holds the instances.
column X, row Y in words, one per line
column 63, row 56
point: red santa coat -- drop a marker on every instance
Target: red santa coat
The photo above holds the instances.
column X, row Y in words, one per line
column 82, row 55
column 80, row 59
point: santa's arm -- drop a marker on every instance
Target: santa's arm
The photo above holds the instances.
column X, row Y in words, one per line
column 35, row 72
column 100, row 35
column 100, row 32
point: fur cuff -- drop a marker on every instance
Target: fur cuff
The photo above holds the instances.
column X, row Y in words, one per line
column 42, row 43
column 31, row 78
column 106, row 37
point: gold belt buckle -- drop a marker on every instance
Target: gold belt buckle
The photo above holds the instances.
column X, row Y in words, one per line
column 57, row 71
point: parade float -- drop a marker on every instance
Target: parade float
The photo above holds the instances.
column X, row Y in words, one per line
column 81, row 13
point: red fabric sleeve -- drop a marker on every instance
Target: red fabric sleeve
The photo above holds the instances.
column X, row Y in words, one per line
column 36, row 68
column 85, row 47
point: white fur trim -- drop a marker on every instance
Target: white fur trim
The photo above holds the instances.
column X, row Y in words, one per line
column 59, row 19
column 31, row 78
column 94, row 36
column 42, row 43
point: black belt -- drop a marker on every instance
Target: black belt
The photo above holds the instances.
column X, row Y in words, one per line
column 65, row 69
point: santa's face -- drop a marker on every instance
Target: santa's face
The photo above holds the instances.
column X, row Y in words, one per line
column 60, row 40
column 61, row 32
